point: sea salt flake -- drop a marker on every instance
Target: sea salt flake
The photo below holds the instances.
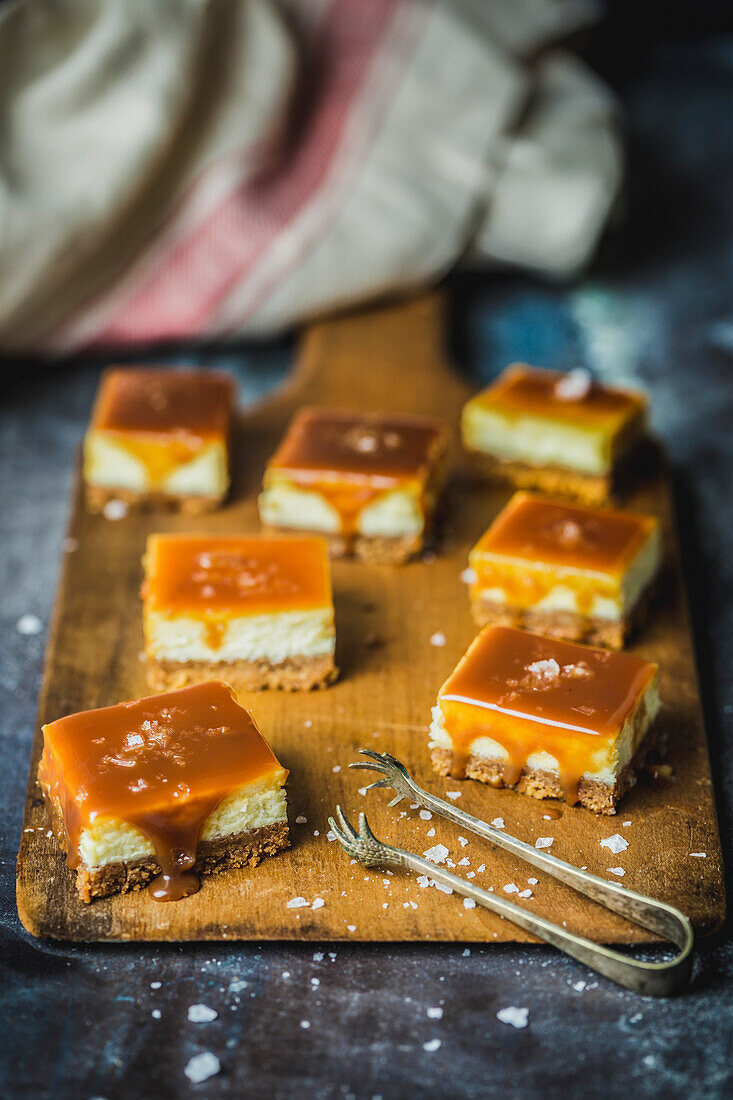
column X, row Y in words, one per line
column 117, row 509
column 297, row 903
column 516, row 1017
column 305, row 1024
column 699, row 855
column 330, row 835
column 430, row 832
column 453, row 794
column 438, row 638
column 470, row 874
column 469, row 903
column 423, row 881
column 532, row 881
column 336, row 768
column 469, row 576
column 351, row 927
column 546, row 671
column 465, row 862
column 462, row 841
column 201, row 1067
column 435, row 1013
column 524, row 894
column 29, row 625
column 156, row 1014
column 201, row 1014
column 155, row 985
column 301, row 820
column 574, row 385
column 510, row 888
column 616, row 871
column 443, row 889
column 432, row 1045
column 318, row 903
column 426, row 815
column 625, row 824
column 481, row 869
column 437, row 853
column 580, row 986
column 544, row 841
column 498, row 823
column 615, row 843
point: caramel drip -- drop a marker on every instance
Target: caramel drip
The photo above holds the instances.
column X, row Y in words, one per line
column 161, row 764
column 215, row 630
column 159, row 457
column 217, row 578
column 523, row 390
column 524, row 589
column 533, row 695
column 351, row 459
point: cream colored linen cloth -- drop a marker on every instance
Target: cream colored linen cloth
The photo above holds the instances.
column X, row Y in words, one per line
column 217, row 168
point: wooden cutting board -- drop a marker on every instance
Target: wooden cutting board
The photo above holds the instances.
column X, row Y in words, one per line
column 386, row 616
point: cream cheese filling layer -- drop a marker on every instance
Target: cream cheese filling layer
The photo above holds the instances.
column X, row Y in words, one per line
column 537, row 441
column 607, row 762
column 269, row 637
column 394, row 513
column 563, row 597
column 110, row 465
column 111, row 840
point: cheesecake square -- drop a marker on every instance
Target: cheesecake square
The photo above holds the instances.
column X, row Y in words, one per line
column 367, row 482
column 159, row 790
column 550, row 718
column 254, row 611
column 561, row 433
column 559, row 569
column 159, row 438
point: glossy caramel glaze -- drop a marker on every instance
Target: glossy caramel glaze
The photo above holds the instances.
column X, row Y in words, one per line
column 353, row 458
column 216, row 578
column 162, row 764
column 163, row 418
column 535, row 544
column 532, row 694
column 523, row 390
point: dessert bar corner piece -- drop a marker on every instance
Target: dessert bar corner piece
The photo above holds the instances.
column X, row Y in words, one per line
column 552, row 719
column 559, row 569
column 254, row 611
column 368, row 482
column 162, row 789
column 562, row 433
column 159, row 438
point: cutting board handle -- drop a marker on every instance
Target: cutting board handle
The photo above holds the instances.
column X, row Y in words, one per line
column 357, row 358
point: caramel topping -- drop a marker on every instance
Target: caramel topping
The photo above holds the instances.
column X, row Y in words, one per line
column 163, row 417
column 162, row 764
column 523, row 390
column 353, row 458
column 584, row 548
column 221, row 577
column 533, row 694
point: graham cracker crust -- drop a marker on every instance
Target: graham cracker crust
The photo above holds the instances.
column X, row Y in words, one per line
column 97, row 496
column 371, row 551
column 553, row 480
column 601, row 798
column 245, row 849
column 293, row 674
column 567, row 625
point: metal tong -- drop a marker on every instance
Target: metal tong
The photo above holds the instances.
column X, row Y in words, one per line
column 657, row 979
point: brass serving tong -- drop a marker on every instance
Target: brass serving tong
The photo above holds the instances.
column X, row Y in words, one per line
column 657, row 979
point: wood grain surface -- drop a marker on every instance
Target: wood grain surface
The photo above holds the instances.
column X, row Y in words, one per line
column 385, row 616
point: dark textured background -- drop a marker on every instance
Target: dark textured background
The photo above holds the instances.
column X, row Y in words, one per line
column 657, row 308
